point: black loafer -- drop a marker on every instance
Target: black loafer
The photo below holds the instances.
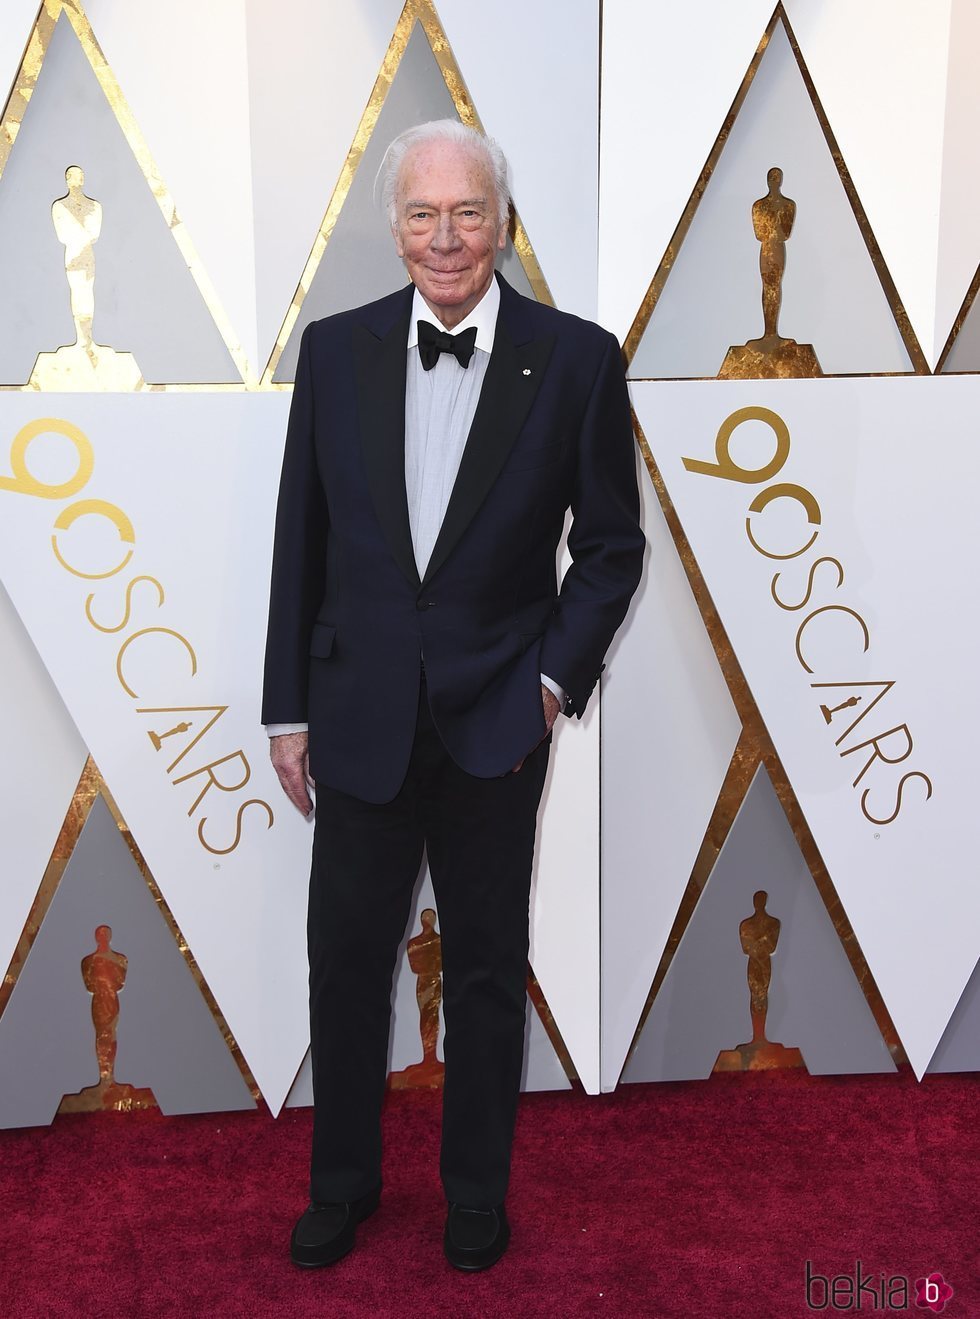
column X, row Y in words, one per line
column 475, row 1238
column 325, row 1232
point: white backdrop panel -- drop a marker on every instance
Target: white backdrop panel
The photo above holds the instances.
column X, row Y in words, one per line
column 879, row 68
column 831, row 295
column 959, row 239
column 183, row 68
column 564, row 949
column 890, row 464
column 311, row 71
column 196, row 477
column 533, row 74
column 41, row 766
column 18, row 17
column 669, row 75
column 669, row 730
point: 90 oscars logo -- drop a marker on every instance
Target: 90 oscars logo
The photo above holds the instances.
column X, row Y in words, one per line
column 111, row 616
column 832, row 628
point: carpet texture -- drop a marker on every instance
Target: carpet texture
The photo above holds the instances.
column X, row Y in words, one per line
column 683, row 1199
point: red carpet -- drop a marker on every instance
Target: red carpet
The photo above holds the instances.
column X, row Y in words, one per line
column 695, row 1199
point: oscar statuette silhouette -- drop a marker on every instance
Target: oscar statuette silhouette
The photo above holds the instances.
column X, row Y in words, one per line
column 104, row 973
column 771, row 356
column 759, row 934
column 84, row 364
column 425, row 958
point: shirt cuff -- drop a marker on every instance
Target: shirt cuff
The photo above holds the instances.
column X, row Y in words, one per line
column 555, row 689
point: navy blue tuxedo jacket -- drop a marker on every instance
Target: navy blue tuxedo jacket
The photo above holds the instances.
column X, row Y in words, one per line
column 349, row 614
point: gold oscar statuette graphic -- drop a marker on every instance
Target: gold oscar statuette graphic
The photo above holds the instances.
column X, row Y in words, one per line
column 828, row 711
column 425, row 959
column 104, row 973
column 157, row 738
column 84, row 364
column 759, row 934
column 771, row 357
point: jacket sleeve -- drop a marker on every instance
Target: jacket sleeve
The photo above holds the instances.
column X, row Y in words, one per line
column 605, row 540
column 298, row 560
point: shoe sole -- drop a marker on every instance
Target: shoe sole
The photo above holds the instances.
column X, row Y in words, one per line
column 365, row 1210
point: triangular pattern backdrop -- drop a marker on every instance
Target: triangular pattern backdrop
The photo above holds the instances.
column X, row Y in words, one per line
column 832, row 294
column 147, row 301
column 703, row 780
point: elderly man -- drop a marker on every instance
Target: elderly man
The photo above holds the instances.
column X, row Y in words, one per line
column 436, row 439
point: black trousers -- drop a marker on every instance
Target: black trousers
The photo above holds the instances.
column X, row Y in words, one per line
column 479, row 837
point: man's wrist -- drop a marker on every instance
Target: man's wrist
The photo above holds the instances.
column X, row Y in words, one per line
column 556, row 690
column 279, row 730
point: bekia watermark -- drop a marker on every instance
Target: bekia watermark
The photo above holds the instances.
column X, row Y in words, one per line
column 875, row 1291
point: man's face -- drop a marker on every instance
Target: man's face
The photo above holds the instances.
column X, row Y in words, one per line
column 446, row 230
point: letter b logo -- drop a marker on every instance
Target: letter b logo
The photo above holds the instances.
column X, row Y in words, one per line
column 817, row 1289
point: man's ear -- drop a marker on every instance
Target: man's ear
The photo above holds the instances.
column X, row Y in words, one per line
column 399, row 245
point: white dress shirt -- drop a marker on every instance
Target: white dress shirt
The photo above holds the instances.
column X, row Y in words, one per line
column 439, row 408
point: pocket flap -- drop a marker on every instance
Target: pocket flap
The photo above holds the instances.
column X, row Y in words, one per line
column 321, row 640
column 525, row 459
column 528, row 639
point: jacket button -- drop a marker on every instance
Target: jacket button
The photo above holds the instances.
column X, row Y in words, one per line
column 424, row 604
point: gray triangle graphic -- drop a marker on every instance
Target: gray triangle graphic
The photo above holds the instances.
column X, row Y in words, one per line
column 832, row 296
column 815, row 1001
column 301, row 1091
column 959, row 1049
column 146, row 300
column 964, row 353
column 359, row 263
column 167, row 1039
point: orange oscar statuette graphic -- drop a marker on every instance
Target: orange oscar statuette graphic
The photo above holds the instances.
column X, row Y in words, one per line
column 759, row 934
column 84, row 364
column 425, row 959
column 104, row 973
column 771, row 357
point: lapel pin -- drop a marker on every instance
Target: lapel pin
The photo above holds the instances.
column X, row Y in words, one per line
column 527, row 370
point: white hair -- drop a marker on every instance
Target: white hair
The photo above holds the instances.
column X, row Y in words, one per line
column 443, row 130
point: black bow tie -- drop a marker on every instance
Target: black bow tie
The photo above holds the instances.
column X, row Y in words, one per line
column 433, row 341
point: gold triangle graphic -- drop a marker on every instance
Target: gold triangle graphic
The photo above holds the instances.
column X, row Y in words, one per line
column 754, row 747
column 13, row 114
column 91, row 786
column 424, row 13
column 652, row 296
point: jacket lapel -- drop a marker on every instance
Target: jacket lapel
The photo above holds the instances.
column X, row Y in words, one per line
column 379, row 364
column 512, row 378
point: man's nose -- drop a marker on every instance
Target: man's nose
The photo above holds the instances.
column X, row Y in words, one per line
column 445, row 237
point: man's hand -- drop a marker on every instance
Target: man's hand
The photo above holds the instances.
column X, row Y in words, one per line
column 291, row 761
column 551, row 712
